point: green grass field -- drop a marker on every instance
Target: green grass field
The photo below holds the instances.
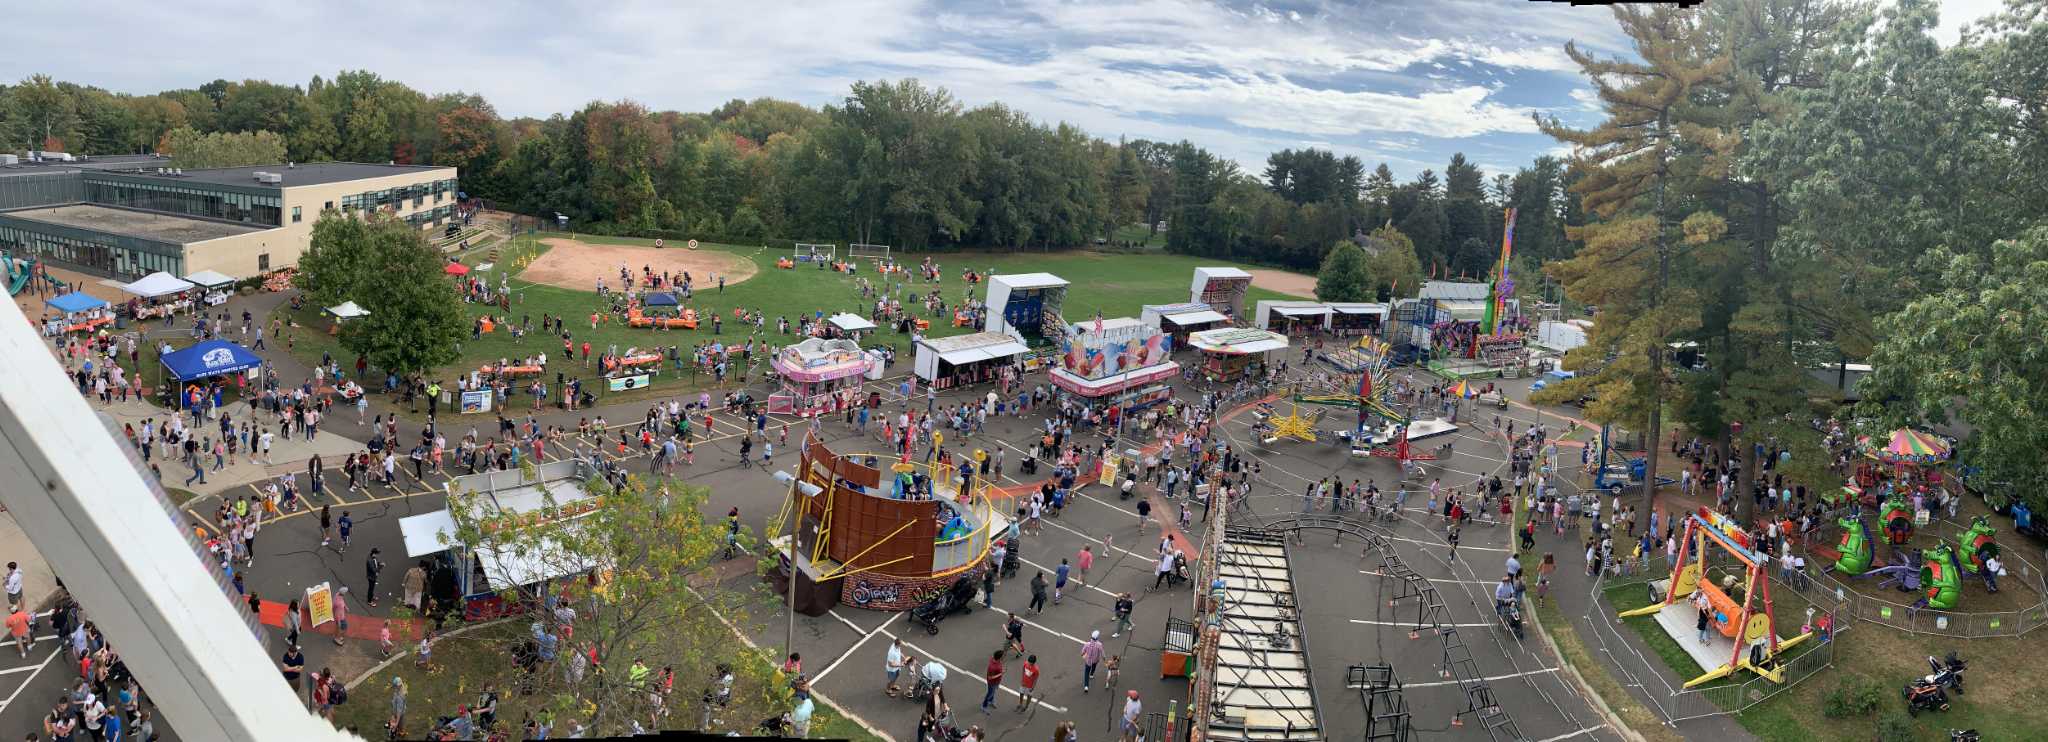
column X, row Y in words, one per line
column 1115, row 284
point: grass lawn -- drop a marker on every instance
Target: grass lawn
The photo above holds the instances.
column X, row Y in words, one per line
column 465, row 665
column 179, row 496
column 1115, row 284
column 1138, row 234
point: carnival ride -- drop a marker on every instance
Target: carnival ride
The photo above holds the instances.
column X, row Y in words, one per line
column 1858, row 552
column 1897, row 517
column 1292, row 425
column 1607, row 476
column 1744, row 631
column 816, row 376
column 1391, row 436
column 883, row 534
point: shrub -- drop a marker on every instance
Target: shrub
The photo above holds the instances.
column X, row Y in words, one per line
column 1852, row 696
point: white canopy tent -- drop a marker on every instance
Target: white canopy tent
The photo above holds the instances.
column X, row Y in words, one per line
column 960, row 350
column 157, row 284
column 851, row 322
column 1195, row 318
column 348, row 310
column 210, row 279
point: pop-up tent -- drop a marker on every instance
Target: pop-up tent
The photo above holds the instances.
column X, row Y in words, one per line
column 660, row 299
column 348, row 310
column 455, row 269
column 210, row 279
column 157, row 284
column 75, row 302
column 209, row 358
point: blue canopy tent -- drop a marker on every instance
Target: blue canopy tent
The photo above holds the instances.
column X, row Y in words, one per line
column 662, row 299
column 74, row 303
column 207, row 359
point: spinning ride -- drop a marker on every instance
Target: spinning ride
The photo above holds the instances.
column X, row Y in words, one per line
column 884, row 534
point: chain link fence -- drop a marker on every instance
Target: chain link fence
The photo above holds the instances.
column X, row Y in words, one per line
column 2023, row 573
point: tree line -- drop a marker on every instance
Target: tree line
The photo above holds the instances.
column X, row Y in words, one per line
column 894, row 162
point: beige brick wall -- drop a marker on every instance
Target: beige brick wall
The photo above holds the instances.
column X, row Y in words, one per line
column 238, row 256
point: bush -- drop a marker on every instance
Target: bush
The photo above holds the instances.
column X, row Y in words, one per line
column 1852, row 696
column 1895, row 727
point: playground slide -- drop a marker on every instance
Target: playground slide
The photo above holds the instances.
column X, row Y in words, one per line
column 1941, row 576
column 18, row 274
column 1856, row 549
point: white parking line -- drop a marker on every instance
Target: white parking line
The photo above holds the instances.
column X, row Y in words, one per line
column 921, row 652
column 1412, row 625
column 856, row 647
column 1436, row 683
column 1569, row 735
column 31, row 678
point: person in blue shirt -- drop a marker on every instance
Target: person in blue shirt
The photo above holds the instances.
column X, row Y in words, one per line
column 1059, row 582
column 345, row 525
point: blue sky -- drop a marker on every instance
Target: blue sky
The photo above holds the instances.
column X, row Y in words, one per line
column 1405, row 82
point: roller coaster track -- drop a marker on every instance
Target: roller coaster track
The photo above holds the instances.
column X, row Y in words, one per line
column 1431, row 613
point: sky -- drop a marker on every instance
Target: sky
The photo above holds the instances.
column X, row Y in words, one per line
column 1404, row 82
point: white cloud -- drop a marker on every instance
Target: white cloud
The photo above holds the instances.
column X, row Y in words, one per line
column 1241, row 80
column 1588, row 99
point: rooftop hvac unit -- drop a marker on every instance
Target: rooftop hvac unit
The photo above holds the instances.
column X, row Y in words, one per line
column 9, row 160
column 259, row 175
column 273, row 178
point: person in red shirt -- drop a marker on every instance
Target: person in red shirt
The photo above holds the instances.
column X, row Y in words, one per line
column 995, row 680
column 1028, row 680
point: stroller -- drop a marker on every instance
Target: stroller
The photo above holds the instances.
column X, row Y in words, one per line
column 1011, row 561
column 957, row 599
column 1029, row 465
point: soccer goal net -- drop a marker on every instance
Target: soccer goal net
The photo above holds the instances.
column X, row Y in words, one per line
column 816, row 251
column 858, row 250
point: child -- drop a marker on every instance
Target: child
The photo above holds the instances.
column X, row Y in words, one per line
column 384, row 639
column 1109, row 670
column 423, row 653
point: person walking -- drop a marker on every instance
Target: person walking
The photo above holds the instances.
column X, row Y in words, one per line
column 340, row 615
column 1027, row 683
column 1133, row 710
column 293, row 663
column 372, row 567
column 1038, row 590
column 326, row 523
column 1083, row 561
column 994, row 676
column 1124, row 604
column 17, row 627
column 345, row 526
column 415, row 584
column 1059, row 582
column 1091, row 657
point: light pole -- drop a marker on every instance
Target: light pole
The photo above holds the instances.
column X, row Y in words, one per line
column 795, row 521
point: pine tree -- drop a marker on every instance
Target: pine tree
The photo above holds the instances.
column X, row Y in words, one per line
column 1624, row 266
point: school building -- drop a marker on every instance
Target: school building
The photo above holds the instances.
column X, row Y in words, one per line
column 132, row 215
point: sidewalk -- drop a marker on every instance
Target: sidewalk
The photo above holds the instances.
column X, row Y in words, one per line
column 38, row 583
column 289, row 455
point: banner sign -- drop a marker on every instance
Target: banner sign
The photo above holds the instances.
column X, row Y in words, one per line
column 623, row 383
column 477, row 401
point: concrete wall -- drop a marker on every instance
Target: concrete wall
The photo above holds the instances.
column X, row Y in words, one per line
column 241, row 255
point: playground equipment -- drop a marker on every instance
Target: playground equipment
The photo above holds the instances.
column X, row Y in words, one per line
column 1856, row 548
column 1743, row 633
column 19, row 271
column 1897, row 517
